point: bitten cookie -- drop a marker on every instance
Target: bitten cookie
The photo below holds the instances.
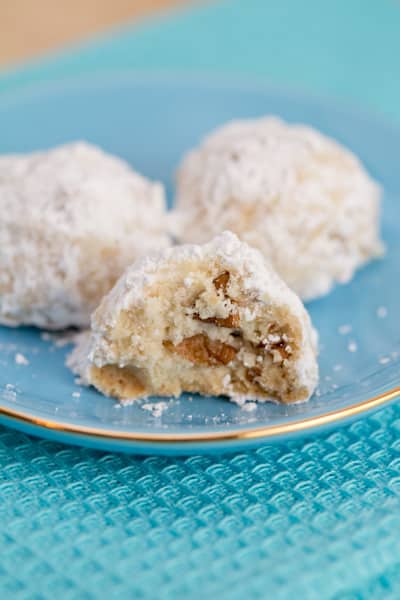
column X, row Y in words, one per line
column 214, row 319
column 71, row 220
column 301, row 198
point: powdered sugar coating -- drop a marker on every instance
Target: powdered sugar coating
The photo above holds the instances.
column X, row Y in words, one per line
column 304, row 200
column 131, row 293
column 260, row 278
column 72, row 219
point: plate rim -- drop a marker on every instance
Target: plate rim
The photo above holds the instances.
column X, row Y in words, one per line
column 253, row 433
column 34, row 89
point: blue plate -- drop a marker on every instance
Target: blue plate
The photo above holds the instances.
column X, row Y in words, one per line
column 151, row 122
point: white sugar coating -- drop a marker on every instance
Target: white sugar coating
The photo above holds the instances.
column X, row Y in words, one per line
column 298, row 196
column 60, row 339
column 150, row 310
column 260, row 277
column 72, row 219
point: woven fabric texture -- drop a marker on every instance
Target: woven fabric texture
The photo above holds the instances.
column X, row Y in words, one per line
column 316, row 518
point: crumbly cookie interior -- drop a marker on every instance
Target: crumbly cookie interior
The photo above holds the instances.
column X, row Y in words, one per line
column 200, row 330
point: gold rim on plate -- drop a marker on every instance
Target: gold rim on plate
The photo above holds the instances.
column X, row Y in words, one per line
column 220, row 436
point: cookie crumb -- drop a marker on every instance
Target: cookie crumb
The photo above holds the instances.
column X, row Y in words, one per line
column 249, row 406
column 381, row 312
column 20, row 359
column 337, row 368
column 352, row 347
column 9, row 393
column 239, row 400
column 344, row 329
column 76, row 394
column 384, row 360
column 156, row 408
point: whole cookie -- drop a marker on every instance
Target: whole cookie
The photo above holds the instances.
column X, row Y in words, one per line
column 72, row 219
column 301, row 198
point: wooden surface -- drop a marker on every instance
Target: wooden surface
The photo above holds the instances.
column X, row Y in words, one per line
column 29, row 27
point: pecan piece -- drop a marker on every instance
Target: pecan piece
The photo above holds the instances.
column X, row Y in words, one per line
column 221, row 281
column 231, row 320
column 281, row 348
column 252, row 373
column 200, row 349
column 276, row 342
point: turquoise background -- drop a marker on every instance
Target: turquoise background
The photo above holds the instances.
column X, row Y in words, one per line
column 344, row 48
column 317, row 518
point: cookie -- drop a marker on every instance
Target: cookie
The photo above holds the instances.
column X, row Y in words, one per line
column 303, row 200
column 214, row 319
column 72, row 219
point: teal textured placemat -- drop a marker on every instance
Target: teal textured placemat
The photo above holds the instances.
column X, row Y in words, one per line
column 314, row 519
column 317, row 518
